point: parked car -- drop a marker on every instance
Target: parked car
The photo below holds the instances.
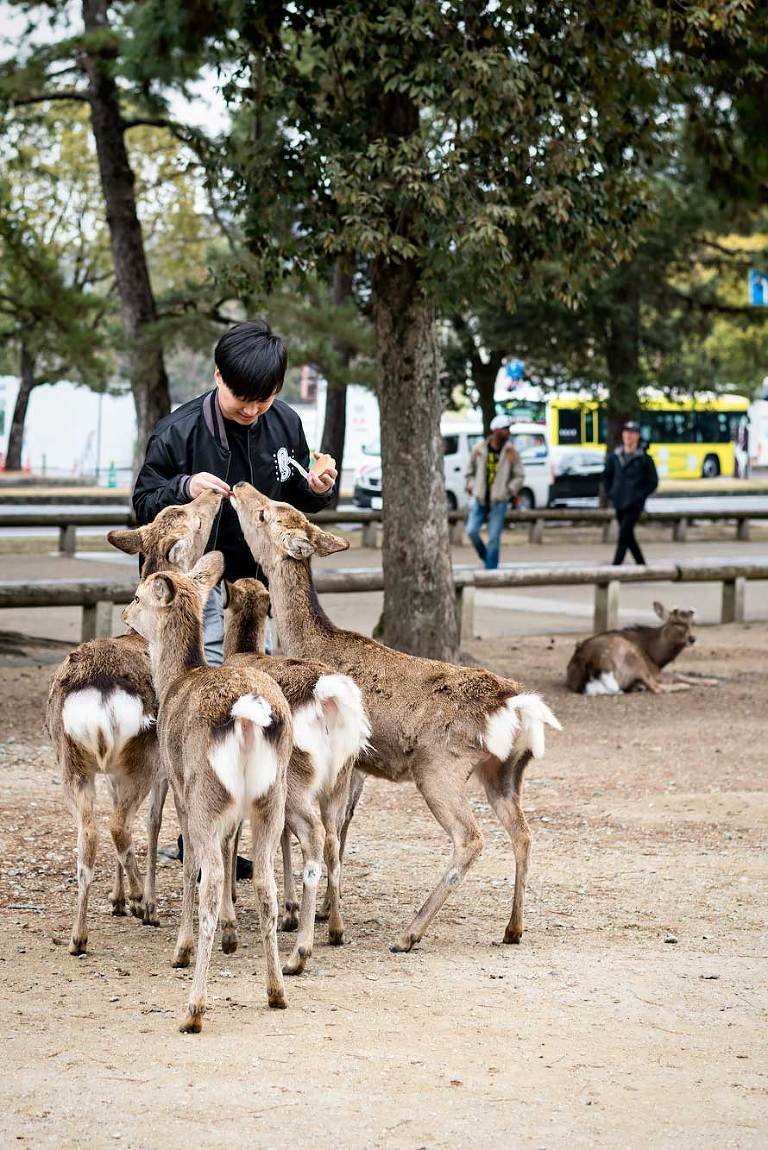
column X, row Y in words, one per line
column 458, row 440
column 576, row 478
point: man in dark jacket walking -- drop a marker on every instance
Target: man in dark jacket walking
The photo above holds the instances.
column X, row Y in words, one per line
column 629, row 478
column 238, row 431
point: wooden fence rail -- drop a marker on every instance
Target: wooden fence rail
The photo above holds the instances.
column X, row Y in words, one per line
column 98, row 597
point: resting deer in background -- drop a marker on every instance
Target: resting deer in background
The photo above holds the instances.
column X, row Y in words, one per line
column 330, row 729
column 225, row 740
column 100, row 718
column 432, row 723
column 617, row 661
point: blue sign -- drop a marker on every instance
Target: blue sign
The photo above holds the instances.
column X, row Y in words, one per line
column 758, row 289
column 516, row 368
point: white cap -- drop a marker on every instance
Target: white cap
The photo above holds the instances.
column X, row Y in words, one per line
column 499, row 422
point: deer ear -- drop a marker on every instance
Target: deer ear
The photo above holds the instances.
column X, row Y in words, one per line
column 297, row 545
column 178, row 553
column 127, row 541
column 661, row 611
column 327, row 544
column 163, row 589
column 208, row 571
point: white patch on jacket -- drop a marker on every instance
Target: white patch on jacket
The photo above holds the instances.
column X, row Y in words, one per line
column 244, row 760
column 91, row 717
column 518, row 726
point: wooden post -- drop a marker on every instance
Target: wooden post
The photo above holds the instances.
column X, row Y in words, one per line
column 465, row 612
column 456, row 533
column 733, row 600
column 680, row 531
column 536, row 531
column 606, row 615
column 371, row 534
column 742, row 530
column 610, row 531
column 97, row 621
column 67, row 539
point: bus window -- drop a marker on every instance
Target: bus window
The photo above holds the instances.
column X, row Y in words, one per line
column 590, row 426
column 711, row 427
column 602, row 426
column 569, row 426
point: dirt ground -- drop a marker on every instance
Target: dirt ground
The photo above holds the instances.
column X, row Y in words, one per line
column 632, row 1015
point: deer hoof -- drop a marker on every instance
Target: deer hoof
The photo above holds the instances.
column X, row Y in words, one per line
column 181, row 957
column 513, row 936
column 276, row 1000
column 297, row 961
column 138, row 909
column 322, row 914
column 149, row 917
column 335, row 937
column 118, row 907
column 193, row 1023
column 289, row 922
column 78, row 945
column 403, row 945
column 229, row 939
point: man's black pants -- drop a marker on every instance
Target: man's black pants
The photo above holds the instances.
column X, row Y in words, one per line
column 627, row 520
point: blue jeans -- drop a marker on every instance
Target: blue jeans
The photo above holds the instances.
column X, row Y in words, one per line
column 494, row 516
column 213, row 629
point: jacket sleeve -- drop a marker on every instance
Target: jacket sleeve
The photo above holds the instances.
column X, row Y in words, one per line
column 469, row 470
column 301, row 494
column 158, row 483
column 517, row 474
column 652, row 476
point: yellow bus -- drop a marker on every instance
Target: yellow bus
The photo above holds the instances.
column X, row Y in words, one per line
column 689, row 438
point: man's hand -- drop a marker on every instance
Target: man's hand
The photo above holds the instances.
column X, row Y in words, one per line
column 204, row 481
column 322, row 473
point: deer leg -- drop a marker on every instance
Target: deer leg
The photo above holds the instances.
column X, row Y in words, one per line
column 129, row 798
column 504, row 795
column 183, row 951
column 117, row 893
column 290, row 919
column 356, row 784
column 308, row 830
column 207, row 844
column 267, row 820
column 228, row 919
column 83, row 796
column 331, row 809
column 154, row 823
column 446, row 798
column 233, row 874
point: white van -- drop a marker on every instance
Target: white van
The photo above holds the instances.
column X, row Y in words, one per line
column 458, row 440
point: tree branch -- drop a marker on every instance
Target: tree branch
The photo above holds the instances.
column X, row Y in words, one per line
column 45, row 97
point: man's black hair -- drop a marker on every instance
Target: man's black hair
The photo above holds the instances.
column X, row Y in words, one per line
column 252, row 361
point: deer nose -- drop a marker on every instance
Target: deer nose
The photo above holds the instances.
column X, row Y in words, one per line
column 691, row 640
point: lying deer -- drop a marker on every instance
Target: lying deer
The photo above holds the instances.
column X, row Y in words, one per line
column 100, row 718
column 617, row 661
column 330, row 729
column 225, row 740
column 432, row 723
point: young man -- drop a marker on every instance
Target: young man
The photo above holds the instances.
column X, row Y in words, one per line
column 629, row 478
column 494, row 475
column 238, row 431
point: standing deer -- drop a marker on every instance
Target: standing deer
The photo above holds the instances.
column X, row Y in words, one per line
column 616, row 661
column 330, row 729
column 432, row 723
column 100, row 717
column 225, row 740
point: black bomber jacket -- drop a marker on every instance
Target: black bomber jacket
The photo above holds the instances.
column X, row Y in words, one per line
column 193, row 438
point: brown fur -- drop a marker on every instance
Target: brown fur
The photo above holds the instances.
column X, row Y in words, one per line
column 428, row 717
column 203, row 749
column 314, row 807
column 122, row 663
column 634, row 655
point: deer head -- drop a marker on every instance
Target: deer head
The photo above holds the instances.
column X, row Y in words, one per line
column 246, row 607
column 677, row 626
column 173, row 598
column 176, row 539
column 276, row 531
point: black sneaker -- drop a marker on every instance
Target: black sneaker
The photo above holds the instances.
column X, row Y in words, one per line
column 243, row 870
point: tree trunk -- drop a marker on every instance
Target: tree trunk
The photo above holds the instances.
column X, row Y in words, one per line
column 149, row 382
column 419, row 615
column 484, row 378
column 13, row 461
column 622, row 352
column 335, row 425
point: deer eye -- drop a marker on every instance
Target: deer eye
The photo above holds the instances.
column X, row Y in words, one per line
column 262, row 516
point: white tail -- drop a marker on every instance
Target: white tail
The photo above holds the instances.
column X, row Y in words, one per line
column 333, row 728
column 245, row 759
column 518, row 726
column 102, row 723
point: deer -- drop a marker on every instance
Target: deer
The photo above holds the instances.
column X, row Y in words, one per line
column 614, row 662
column 330, row 731
column 100, row 718
column 225, row 737
column 432, row 723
